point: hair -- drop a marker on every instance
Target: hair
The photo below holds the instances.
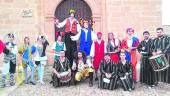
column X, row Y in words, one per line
column 109, row 34
column 62, row 50
column 106, row 54
column 25, row 40
column 146, row 32
column 159, row 28
column 83, row 56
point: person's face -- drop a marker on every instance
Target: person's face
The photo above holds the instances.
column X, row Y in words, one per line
column 99, row 36
column 27, row 40
column 122, row 56
column 59, row 38
column 11, row 38
column 130, row 32
column 159, row 33
column 72, row 15
column 80, row 55
column 110, row 36
column 86, row 25
column 62, row 54
column 39, row 40
column 107, row 57
column 146, row 36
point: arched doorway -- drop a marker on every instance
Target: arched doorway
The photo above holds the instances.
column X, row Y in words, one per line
column 83, row 11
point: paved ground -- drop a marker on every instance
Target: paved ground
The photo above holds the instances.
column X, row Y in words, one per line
column 83, row 89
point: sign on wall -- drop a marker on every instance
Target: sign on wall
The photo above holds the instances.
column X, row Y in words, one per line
column 27, row 13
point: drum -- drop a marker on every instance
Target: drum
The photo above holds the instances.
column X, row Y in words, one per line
column 65, row 77
column 159, row 62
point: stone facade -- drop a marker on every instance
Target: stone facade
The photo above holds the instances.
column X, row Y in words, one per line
column 33, row 17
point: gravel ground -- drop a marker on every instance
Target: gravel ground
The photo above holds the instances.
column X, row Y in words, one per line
column 82, row 89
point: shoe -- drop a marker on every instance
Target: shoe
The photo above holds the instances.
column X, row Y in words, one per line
column 25, row 81
column 130, row 89
column 90, row 84
column 152, row 85
column 42, row 82
column 96, row 79
column 12, row 83
column 68, row 84
column 38, row 81
column 32, row 83
column 3, row 85
column 149, row 87
column 51, row 82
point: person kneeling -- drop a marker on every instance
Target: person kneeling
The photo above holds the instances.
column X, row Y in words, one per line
column 108, row 70
column 81, row 68
column 125, row 73
column 61, row 70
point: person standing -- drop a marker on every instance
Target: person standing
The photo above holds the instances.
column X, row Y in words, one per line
column 147, row 74
column 27, row 53
column 97, row 52
column 130, row 44
column 10, row 52
column 86, row 36
column 71, row 28
column 161, row 45
column 113, row 47
column 58, row 46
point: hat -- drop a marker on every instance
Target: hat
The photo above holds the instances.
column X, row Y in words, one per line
column 85, row 21
column 99, row 33
column 72, row 11
column 130, row 29
column 10, row 35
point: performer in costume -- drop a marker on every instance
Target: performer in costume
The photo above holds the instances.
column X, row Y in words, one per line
column 161, row 45
column 130, row 44
column 113, row 47
column 86, row 36
column 71, row 28
column 147, row 74
column 61, row 65
column 27, row 52
column 40, row 57
column 58, row 46
column 81, row 68
column 108, row 70
column 125, row 73
column 10, row 52
column 97, row 52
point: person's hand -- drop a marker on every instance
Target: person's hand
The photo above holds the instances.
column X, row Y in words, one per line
column 143, row 48
column 108, row 75
column 72, row 38
column 159, row 52
column 56, row 21
column 85, row 65
column 127, row 73
column 154, row 53
column 58, row 75
column 128, row 50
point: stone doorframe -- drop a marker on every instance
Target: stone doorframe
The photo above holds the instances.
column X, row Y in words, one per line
column 48, row 8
